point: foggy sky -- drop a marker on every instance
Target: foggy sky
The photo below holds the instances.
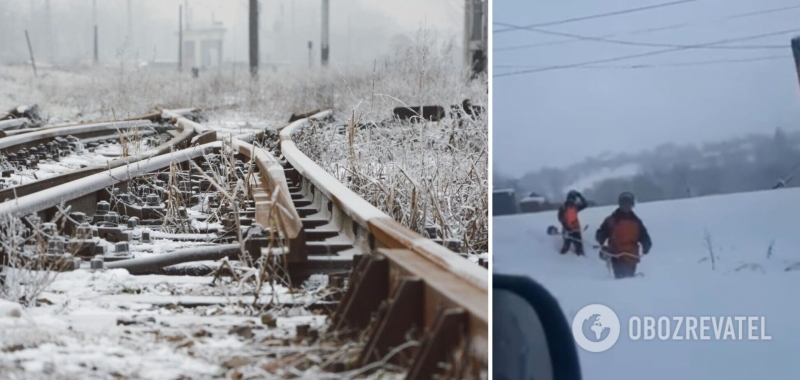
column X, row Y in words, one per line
column 361, row 30
column 559, row 117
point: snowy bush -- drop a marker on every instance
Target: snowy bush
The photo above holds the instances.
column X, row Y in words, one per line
column 23, row 250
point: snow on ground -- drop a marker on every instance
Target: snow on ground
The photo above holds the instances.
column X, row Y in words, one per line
column 50, row 168
column 230, row 123
column 749, row 279
column 590, row 180
column 81, row 329
column 80, row 159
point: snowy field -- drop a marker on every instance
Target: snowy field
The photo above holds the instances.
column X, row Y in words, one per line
column 756, row 272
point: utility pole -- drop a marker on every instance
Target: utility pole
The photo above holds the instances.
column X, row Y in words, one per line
column 94, row 19
column 281, row 50
column 49, row 31
column 180, row 38
column 349, row 39
column 310, row 61
column 467, row 56
column 292, row 38
column 130, row 25
column 325, row 29
column 30, row 50
column 796, row 53
column 254, row 38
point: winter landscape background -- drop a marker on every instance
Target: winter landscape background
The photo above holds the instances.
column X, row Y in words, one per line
column 604, row 98
column 688, row 122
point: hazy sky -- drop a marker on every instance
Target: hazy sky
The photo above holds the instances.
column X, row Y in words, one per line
column 559, row 117
column 360, row 30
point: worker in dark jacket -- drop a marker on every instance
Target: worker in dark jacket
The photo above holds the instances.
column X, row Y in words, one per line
column 571, row 226
column 624, row 232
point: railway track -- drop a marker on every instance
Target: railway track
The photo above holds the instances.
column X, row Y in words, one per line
column 398, row 297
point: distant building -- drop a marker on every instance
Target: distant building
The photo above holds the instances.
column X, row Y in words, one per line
column 534, row 202
column 504, row 202
column 202, row 47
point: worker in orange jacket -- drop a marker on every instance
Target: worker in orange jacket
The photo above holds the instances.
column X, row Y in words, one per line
column 571, row 226
column 624, row 232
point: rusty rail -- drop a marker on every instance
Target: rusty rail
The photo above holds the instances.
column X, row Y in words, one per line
column 155, row 116
column 71, row 193
column 95, row 130
column 400, row 280
column 82, row 131
column 8, row 125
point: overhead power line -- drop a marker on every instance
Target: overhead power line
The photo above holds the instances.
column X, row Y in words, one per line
column 671, row 64
column 609, row 14
column 646, row 54
column 773, row 10
column 634, row 43
column 647, row 30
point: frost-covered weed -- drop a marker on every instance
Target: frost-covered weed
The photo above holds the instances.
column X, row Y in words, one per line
column 424, row 173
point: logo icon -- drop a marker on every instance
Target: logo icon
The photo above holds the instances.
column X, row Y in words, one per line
column 596, row 328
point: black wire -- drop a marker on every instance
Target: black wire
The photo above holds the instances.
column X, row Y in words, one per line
column 639, row 55
column 673, row 64
column 615, row 13
column 764, row 12
column 634, row 43
column 645, row 30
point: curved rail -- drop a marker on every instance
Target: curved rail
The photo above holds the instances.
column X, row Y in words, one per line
column 400, row 272
column 152, row 116
column 180, row 140
column 6, row 126
column 387, row 231
column 82, row 131
column 74, row 190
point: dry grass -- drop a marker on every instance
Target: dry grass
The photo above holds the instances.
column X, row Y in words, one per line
column 24, row 243
column 426, row 173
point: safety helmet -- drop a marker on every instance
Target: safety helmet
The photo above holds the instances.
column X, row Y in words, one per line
column 572, row 195
column 626, row 198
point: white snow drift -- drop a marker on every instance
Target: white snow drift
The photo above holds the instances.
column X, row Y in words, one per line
column 755, row 239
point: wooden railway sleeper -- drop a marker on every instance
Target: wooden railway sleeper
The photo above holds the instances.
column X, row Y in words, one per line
column 393, row 319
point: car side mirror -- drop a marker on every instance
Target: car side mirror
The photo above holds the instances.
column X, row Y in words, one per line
column 531, row 338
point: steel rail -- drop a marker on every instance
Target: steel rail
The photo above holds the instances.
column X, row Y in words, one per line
column 73, row 190
column 402, row 280
column 7, row 126
column 81, row 131
column 387, row 231
column 181, row 140
column 152, row 264
column 154, row 116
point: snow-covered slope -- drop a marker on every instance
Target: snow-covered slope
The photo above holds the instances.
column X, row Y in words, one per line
column 679, row 281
